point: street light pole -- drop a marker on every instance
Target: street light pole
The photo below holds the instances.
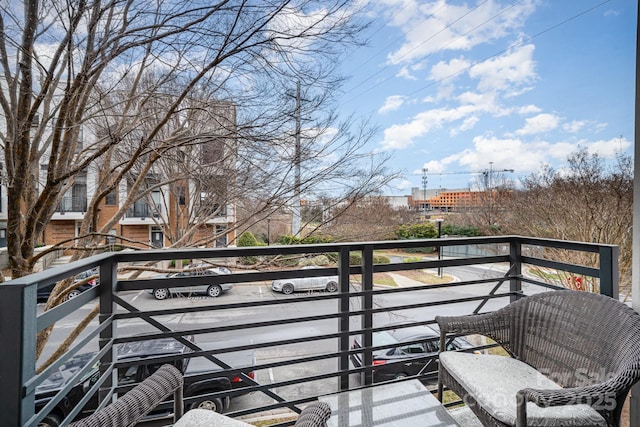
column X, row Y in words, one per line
column 439, row 221
column 268, row 231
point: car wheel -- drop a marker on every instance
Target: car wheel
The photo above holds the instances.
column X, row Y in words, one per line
column 212, row 404
column 161, row 293
column 74, row 293
column 51, row 420
column 214, row 291
column 287, row 289
column 400, row 376
column 332, row 287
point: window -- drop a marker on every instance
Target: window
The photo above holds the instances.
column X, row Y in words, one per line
column 111, row 199
column 212, row 152
column 181, row 193
column 112, row 238
column 127, row 375
column 415, row 348
column 433, row 345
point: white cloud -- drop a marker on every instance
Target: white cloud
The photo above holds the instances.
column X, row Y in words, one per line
column 521, row 156
column 504, row 153
column 403, row 184
column 528, row 109
column 512, row 72
column 406, row 74
column 399, row 136
column 438, row 26
column 574, row 126
column 610, row 147
column 467, row 124
column 403, row 135
column 539, row 124
column 443, row 70
column 392, row 103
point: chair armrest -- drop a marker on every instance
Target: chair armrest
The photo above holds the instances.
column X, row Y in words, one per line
column 602, row 397
column 315, row 414
column 139, row 401
column 493, row 325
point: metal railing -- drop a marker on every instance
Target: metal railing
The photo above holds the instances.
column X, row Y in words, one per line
column 498, row 277
column 72, row 204
column 144, row 210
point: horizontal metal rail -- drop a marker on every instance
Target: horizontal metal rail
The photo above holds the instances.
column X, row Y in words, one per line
column 358, row 303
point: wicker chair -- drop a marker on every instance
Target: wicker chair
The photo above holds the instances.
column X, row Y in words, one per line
column 575, row 357
column 315, row 414
column 140, row 400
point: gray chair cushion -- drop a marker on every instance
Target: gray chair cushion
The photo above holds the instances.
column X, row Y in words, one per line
column 493, row 382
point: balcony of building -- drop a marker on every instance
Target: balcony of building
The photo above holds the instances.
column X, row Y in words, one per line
column 142, row 213
column 71, row 207
column 302, row 343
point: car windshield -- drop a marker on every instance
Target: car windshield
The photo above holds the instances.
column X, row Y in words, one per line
column 65, row 372
column 383, row 338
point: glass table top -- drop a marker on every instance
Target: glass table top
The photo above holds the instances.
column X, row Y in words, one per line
column 406, row 403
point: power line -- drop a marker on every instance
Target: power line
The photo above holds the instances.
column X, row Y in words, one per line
column 433, row 83
column 429, row 39
column 382, row 50
column 521, row 43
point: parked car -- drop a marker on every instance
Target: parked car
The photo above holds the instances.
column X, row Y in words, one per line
column 45, row 291
column 289, row 286
column 199, row 378
column 413, row 358
column 200, row 283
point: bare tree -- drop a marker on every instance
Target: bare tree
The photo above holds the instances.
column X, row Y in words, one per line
column 128, row 89
column 69, row 64
column 587, row 202
column 370, row 218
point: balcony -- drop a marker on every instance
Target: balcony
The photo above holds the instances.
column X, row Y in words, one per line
column 143, row 210
column 302, row 352
column 72, row 204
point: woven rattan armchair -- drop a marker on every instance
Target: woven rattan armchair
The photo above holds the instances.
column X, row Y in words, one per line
column 575, row 355
column 140, row 400
column 315, row 414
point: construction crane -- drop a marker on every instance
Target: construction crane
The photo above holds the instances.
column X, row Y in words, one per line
column 487, row 174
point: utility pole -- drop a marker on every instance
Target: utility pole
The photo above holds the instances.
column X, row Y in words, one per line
column 295, row 220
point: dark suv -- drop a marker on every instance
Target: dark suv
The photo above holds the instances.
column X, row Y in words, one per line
column 201, row 377
column 413, row 351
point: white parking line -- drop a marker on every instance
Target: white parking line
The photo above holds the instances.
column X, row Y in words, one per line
column 134, row 298
column 272, row 379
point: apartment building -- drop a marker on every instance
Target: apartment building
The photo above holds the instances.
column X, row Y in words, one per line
column 187, row 197
column 445, row 200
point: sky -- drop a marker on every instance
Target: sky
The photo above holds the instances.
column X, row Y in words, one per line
column 459, row 87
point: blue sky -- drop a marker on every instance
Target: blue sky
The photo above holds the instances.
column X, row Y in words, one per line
column 457, row 86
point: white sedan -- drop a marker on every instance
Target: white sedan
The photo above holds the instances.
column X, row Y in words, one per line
column 289, row 286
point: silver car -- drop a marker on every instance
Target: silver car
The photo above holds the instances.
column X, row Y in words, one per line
column 288, row 286
column 200, row 284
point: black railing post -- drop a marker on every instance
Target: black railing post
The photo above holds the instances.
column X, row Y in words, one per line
column 367, row 306
column 609, row 273
column 515, row 266
column 18, row 359
column 108, row 280
column 343, row 278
